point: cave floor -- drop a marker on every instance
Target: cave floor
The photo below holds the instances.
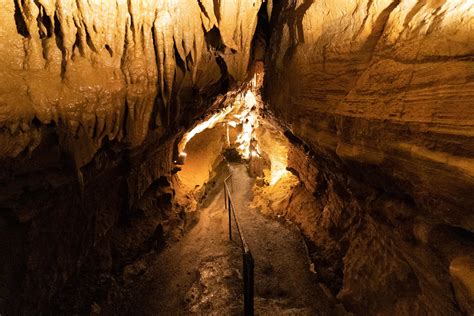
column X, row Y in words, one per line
column 201, row 273
column 283, row 282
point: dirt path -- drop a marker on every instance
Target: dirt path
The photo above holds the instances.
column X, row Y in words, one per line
column 200, row 274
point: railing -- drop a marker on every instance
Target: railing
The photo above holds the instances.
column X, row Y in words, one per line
column 247, row 258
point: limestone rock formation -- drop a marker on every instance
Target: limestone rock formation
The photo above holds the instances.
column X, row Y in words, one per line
column 110, row 69
column 93, row 95
column 380, row 95
column 376, row 97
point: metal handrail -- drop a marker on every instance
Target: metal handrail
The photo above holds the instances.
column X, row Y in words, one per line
column 247, row 258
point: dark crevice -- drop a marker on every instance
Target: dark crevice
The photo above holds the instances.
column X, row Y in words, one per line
column 300, row 13
column 132, row 23
column 89, row 41
column 44, row 51
column 203, row 10
column 21, row 27
column 60, row 43
column 378, row 28
column 416, row 8
column 155, row 45
column 36, row 122
column 217, row 10
column 261, row 36
column 214, row 40
column 45, row 25
column 157, row 104
column 188, row 64
column 125, row 118
column 293, row 18
column 77, row 44
column 364, row 22
column 109, row 49
column 225, row 76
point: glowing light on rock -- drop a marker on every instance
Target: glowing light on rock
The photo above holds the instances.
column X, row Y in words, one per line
column 278, row 171
column 244, row 111
column 249, row 120
column 163, row 18
column 250, row 99
column 209, row 123
column 247, row 117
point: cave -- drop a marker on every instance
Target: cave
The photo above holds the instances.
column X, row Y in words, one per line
column 229, row 157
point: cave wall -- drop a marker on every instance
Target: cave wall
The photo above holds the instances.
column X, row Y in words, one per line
column 112, row 69
column 379, row 95
column 93, row 96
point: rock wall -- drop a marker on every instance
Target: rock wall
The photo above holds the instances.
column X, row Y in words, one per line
column 111, row 69
column 380, row 93
column 93, row 95
column 53, row 227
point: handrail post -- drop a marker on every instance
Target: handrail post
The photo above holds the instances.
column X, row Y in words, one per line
column 247, row 259
column 229, row 206
column 225, row 197
column 248, row 283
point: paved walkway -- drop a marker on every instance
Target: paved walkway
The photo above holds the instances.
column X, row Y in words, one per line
column 283, row 282
column 201, row 274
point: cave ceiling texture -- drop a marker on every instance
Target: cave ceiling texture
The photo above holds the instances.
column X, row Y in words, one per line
column 375, row 99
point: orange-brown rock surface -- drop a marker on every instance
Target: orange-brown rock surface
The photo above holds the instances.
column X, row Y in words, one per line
column 377, row 97
column 93, row 95
column 381, row 93
column 110, row 69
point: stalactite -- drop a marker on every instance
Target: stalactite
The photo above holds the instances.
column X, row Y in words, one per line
column 81, row 49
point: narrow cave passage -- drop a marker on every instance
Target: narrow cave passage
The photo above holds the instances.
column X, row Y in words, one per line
column 347, row 128
column 202, row 272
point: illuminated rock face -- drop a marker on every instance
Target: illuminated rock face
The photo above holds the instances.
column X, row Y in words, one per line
column 110, row 69
column 92, row 96
column 382, row 93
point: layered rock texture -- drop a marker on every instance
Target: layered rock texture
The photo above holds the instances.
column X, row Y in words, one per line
column 93, row 95
column 378, row 96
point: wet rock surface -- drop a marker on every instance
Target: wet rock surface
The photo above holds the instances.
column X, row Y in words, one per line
column 378, row 100
column 375, row 95
column 93, row 96
column 364, row 241
column 97, row 76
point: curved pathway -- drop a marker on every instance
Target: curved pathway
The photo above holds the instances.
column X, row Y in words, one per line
column 201, row 274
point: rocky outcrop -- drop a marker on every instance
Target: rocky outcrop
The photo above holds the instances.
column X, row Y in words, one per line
column 93, row 97
column 379, row 94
